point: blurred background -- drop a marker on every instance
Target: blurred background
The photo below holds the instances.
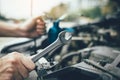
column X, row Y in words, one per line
column 95, row 25
column 23, row 9
column 78, row 11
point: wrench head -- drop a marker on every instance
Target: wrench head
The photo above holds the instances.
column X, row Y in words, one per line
column 65, row 37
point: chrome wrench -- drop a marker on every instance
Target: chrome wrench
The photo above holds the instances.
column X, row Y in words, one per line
column 64, row 37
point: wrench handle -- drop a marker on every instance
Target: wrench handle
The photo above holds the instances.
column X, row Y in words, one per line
column 63, row 38
column 51, row 47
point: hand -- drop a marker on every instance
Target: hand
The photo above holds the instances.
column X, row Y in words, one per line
column 15, row 66
column 32, row 28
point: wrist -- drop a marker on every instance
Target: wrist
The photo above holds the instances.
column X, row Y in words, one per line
column 20, row 32
column 15, row 31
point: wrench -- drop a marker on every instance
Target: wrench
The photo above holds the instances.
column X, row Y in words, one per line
column 64, row 37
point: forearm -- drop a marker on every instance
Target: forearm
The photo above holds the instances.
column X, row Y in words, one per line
column 32, row 28
column 8, row 30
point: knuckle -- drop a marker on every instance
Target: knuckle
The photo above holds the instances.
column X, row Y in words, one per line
column 11, row 70
column 32, row 67
column 13, row 58
column 15, row 53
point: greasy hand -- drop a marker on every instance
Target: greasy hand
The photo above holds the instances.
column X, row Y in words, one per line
column 33, row 28
column 15, row 66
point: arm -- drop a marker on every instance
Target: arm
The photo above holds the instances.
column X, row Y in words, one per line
column 31, row 28
column 7, row 30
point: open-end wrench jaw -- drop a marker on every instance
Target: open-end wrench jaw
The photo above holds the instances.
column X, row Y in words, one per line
column 64, row 37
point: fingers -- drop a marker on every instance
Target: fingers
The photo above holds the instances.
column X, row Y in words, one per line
column 23, row 71
column 24, row 66
column 16, row 67
column 17, row 76
column 40, row 30
column 39, row 18
column 33, row 28
column 28, row 63
column 20, row 69
column 6, row 76
column 40, row 27
column 39, row 21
